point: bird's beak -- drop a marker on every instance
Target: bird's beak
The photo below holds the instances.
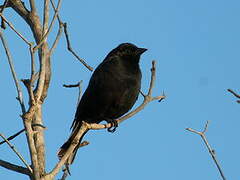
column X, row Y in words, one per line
column 141, row 50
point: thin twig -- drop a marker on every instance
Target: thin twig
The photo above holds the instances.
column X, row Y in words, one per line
column 79, row 85
column 13, row 136
column 21, row 131
column 235, row 94
column 15, row 168
column 71, row 50
column 153, row 78
column 17, row 153
column 13, row 28
column 59, row 29
column 14, row 74
column 50, row 27
column 54, row 8
column 71, row 85
column 210, row 150
column 56, row 39
column 68, row 41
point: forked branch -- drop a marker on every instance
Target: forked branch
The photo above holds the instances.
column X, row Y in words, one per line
column 210, row 150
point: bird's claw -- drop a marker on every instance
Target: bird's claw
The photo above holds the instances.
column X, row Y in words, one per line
column 114, row 125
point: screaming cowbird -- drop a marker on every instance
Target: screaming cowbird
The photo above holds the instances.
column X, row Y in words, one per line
column 112, row 91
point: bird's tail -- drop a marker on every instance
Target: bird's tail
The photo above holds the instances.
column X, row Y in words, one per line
column 63, row 149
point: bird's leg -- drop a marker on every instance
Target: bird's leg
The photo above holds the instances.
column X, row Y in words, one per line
column 114, row 125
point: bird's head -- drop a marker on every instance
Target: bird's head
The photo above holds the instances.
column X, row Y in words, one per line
column 128, row 51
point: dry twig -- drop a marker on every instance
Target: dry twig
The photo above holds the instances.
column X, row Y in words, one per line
column 14, row 29
column 61, row 24
column 235, row 94
column 17, row 153
column 211, row 151
column 15, row 168
column 71, row 50
column 71, row 85
column 13, row 136
column 19, row 132
column 79, row 85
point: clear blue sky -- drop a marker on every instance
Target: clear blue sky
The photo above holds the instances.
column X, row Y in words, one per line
column 196, row 46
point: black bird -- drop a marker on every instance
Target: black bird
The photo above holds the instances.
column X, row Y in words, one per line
column 112, row 91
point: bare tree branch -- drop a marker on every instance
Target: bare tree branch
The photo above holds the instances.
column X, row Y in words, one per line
column 17, row 153
column 14, row 29
column 71, row 50
column 54, row 8
column 21, row 131
column 13, row 136
column 210, row 150
column 235, row 94
column 60, row 29
column 71, row 85
column 79, row 85
column 15, row 168
column 68, row 41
